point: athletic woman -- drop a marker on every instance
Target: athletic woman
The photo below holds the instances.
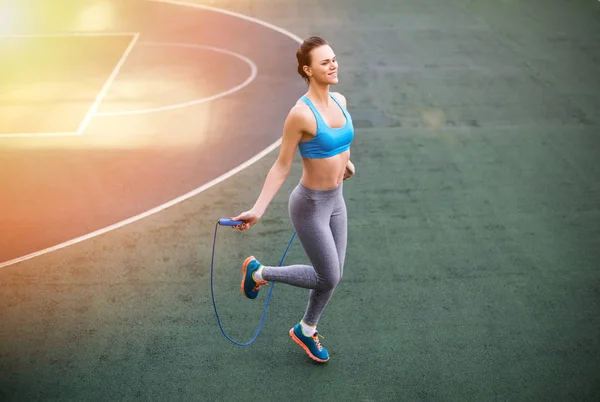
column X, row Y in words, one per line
column 320, row 127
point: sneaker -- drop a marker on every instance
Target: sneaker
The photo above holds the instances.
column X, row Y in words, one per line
column 311, row 344
column 249, row 286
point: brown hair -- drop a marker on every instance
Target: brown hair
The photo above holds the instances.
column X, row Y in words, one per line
column 303, row 53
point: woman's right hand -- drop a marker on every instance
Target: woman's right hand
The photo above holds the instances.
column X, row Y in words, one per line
column 249, row 218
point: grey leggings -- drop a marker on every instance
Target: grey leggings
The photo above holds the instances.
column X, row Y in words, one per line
column 319, row 219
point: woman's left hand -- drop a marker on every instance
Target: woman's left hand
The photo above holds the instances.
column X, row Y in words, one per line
column 349, row 171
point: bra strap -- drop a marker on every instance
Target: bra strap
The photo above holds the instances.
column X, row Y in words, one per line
column 340, row 105
column 314, row 110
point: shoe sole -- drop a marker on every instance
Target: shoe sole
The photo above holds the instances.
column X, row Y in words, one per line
column 306, row 349
column 244, row 267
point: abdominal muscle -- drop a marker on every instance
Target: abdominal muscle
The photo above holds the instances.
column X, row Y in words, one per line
column 326, row 173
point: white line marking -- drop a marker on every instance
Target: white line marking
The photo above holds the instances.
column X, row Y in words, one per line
column 192, row 193
column 134, row 36
column 253, row 73
column 152, row 211
column 233, row 14
column 107, row 84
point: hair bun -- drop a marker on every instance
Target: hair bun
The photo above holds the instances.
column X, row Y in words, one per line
column 303, row 53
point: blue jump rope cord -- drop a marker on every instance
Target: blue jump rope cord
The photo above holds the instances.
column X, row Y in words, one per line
column 262, row 320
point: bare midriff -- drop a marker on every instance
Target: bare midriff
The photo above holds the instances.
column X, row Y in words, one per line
column 326, row 173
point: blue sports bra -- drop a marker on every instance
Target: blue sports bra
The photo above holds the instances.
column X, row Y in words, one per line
column 328, row 141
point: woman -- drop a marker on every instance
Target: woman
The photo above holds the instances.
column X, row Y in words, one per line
column 320, row 127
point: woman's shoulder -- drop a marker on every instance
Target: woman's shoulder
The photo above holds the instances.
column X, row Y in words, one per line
column 300, row 111
column 301, row 117
column 340, row 98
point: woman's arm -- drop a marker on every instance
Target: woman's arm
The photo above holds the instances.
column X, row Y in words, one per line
column 350, row 169
column 281, row 168
column 292, row 134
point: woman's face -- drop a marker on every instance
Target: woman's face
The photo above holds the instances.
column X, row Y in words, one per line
column 323, row 67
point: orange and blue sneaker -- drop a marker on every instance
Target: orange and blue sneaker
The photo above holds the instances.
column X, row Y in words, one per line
column 311, row 344
column 249, row 285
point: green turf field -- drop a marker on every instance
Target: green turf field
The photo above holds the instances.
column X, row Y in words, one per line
column 472, row 272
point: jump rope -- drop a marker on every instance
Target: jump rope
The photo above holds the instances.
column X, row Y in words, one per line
column 229, row 222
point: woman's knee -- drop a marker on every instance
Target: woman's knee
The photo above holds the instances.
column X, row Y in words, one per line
column 330, row 281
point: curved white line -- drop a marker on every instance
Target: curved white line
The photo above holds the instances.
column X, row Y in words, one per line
column 159, row 208
column 233, row 14
column 192, row 193
column 253, row 73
